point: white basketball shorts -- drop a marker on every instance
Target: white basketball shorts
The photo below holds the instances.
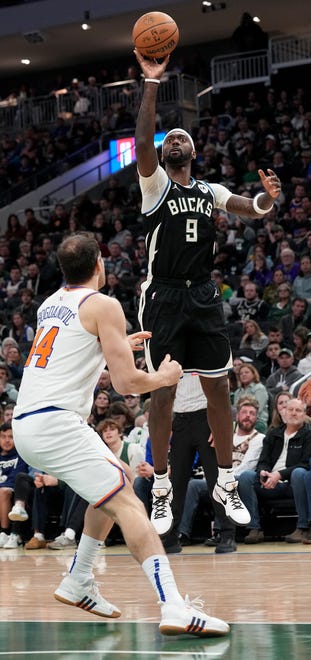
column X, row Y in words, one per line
column 62, row 444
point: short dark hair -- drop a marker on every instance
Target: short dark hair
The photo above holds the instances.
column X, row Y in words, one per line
column 6, row 426
column 77, row 257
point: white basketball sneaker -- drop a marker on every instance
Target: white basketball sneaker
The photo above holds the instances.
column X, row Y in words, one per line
column 229, row 497
column 161, row 514
column 190, row 619
column 18, row 513
column 86, row 597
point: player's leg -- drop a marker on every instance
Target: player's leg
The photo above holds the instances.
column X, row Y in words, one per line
column 160, row 313
column 78, row 588
column 160, row 429
column 220, row 421
column 178, row 616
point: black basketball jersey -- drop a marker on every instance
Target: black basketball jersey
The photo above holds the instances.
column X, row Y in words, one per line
column 180, row 232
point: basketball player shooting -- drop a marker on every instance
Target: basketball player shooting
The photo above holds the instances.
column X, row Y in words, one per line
column 180, row 303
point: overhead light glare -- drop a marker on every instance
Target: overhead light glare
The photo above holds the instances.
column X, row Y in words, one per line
column 256, row 19
column 85, row 26
column 212, row 6
column 25, row 61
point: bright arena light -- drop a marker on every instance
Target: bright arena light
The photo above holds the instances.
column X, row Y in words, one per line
column 25, row 61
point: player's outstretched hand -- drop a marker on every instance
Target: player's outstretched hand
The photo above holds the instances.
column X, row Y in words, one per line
column 151, row 68
column 136, row 339
column 173, row 370
column 270, row 182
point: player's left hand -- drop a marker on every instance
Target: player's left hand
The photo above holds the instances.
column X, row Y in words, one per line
column 270, row 182
column 136, row 339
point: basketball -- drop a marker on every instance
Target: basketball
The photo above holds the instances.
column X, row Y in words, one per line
column 155, row 34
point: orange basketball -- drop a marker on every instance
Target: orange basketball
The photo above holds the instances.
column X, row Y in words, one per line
column 155, row 34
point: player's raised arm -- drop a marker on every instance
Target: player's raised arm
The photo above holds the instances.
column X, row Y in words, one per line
column 107, row 317
column 262, row 203
column 147, row 158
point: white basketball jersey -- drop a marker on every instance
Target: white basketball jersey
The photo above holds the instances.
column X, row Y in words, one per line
column 65, row 360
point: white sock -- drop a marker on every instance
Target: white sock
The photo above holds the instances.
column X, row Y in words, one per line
column 39, row 536
column 161, row 481
column 83, row 561
column 159, row 574
column 70, row 533
column 225, row 475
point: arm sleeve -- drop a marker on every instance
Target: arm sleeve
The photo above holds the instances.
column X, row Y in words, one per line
column 153, row 189
column 222, row 195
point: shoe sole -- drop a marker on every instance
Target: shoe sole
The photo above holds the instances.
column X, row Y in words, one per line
column 170, row 630
column 86, row 607
column 61, row 547
column 218, row 499
column 15, row 517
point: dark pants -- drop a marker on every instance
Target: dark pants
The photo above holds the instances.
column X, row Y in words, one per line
column 73, row 511
column 190, row 435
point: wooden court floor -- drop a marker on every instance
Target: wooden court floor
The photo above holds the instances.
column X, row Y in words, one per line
column 262, row 591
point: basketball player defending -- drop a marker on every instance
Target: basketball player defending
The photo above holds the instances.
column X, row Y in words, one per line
column 76, row 326
column 180, row 303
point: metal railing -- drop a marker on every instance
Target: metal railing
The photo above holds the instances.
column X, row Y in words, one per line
column 290, row 51
column 257, row 66
column 235, row 70
column 20, row 113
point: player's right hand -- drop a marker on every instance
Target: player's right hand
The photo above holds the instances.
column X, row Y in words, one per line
column 171, row 369
column 151, row 68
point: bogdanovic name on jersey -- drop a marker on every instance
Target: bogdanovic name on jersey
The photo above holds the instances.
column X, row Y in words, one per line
column 60, row 312
column 194, row 204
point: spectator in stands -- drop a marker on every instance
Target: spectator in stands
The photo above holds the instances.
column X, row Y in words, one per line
column 279, row 406
column 20, row 330
column 298, row 316
column 253, row 338
column 269, row 360
column 100, row 407
column 304, row 364
column 120, row 233
column 285, row 375
column 251, row 385
column 300, row 340
column 4, row 330
column 8, row 412
column 282, row 305
column 115, row 289
column 248, row 35
column 302, row 283
column 58, row 221
column 49, row 273
column 8, row 392
column 32, row 223
column 10, row 464
column 233, row 376
column 14, row 283
column 6, row 344
column 28, row 307
column 129, row 452
column 117, row 263
column 260, row 273
column 15, row 362
column 120, row 412
column 280, row 472
column 250, row 306
column 47, row 491
column 14, row 230
column 288, row 264
column 134, row 404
